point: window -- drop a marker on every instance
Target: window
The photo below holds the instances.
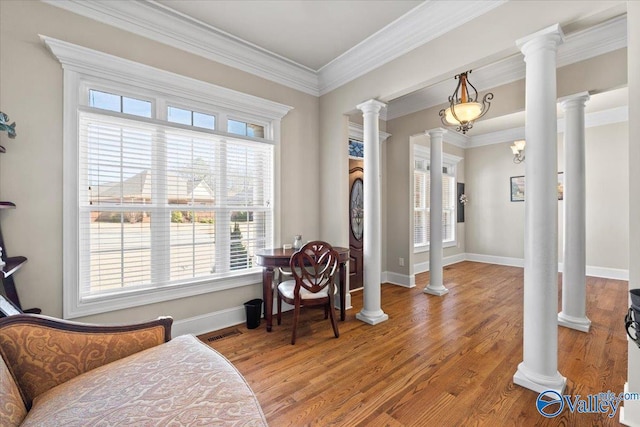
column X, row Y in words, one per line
column 165, row 205
column 158, row 203
column 421, row 199
column 191, row 118
column 247, row 129
column 121, row 104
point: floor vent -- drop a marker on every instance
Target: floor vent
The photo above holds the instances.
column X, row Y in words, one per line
column 213, row 336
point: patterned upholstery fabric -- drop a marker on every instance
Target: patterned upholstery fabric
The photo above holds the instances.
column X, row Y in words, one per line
column 43, row 357
column 12, row 409
column 183, row 382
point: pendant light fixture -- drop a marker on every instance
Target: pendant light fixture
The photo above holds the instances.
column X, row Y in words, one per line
column 464, row 108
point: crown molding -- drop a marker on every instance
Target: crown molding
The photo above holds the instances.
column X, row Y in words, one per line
column 595, row 119
column 457, row 139
column 591, row 42
column 161, row 24
column 597, row 40
column 356, row 131
column 94, row 63
column 498, row 137
column 422, row 24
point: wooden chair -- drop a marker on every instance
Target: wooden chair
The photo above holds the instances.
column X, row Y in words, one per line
column 313, row 269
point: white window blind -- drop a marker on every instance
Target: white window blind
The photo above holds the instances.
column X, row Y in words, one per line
column 422, row 197
column 162, row 205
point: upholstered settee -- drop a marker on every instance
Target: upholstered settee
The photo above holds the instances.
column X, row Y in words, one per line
column 60, row 373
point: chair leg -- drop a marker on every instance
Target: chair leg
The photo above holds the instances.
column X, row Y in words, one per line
column 326, row 311
column 334, row 323
column 279, row 309
column 296, row 315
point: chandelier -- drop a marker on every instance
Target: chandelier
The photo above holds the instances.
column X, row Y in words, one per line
column 464, row 107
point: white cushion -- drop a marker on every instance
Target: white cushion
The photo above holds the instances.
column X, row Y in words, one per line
column 286, row 289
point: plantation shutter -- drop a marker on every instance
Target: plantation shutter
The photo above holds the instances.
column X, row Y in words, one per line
column 163, row 205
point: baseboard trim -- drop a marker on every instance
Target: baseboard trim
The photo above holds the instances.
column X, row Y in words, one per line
column 490, row 259
column 398, row 279
column 236, row 315
column 603, row 272
column 209, row 322
column 422, row 267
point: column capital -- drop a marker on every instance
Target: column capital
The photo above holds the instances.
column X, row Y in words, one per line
column 371, row 106
column 574, row 100
column 436, row 132
column 550, row 38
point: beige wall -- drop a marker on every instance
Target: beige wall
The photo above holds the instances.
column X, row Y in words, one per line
column 495, row 225
column 31, row 170
column 314, row 134
column 603, row 72
column 428, row 64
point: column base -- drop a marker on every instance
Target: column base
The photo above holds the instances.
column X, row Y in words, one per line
column 626, row 416
column 435, row 291
column 539, row 383
column 582, row 324
column 372, row 318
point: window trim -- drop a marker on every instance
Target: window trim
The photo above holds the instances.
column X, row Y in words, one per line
column 82, row 66
column 421, row 152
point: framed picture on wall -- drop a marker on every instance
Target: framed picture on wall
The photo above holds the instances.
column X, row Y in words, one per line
column 517, row 187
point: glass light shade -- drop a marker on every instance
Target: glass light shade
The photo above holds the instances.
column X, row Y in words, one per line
column 466, row 112
column 520, row 144
column 515, row 150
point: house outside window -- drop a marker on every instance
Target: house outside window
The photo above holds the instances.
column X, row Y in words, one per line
column 164, row 197
column 421, row 199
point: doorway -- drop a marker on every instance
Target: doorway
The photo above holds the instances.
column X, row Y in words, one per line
column 356, row 217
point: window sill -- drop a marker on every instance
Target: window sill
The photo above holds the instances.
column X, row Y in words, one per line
column 425, row 248
column 135, row 298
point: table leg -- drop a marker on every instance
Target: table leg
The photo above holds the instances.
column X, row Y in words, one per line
column 343, row 289
column 267, row 295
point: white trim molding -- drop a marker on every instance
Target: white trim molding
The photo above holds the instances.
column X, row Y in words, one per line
column 409, row 281
column 420, row 25
column 84, row 66
column 594, row 271
column 102, row 65
column 597, row 40
column 356, row 131
column 151, row 20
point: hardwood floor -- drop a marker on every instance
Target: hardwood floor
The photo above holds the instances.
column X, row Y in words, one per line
column 437, row 361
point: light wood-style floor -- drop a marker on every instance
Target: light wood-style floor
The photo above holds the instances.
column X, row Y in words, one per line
column 437, row 361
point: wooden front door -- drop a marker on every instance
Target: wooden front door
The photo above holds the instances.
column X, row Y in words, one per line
column 356, row 217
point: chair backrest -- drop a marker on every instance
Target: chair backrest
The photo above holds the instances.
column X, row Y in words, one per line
column 314, row 266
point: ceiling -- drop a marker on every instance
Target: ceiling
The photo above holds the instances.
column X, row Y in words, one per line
column 309, row 33
column 318, row 45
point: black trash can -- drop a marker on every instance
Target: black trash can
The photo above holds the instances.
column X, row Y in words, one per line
column 254, row 312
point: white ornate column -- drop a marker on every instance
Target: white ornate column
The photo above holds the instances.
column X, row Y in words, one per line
column 574, row 276
column 436, row 283
column 371, row 312
column 539, row 369
column 630, row 413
